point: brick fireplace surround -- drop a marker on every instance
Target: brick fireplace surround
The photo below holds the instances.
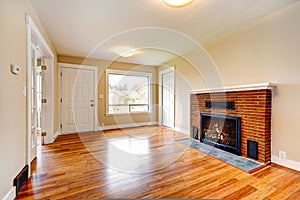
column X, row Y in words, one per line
column 253, row 103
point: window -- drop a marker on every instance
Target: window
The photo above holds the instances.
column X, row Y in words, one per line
column 128, row 92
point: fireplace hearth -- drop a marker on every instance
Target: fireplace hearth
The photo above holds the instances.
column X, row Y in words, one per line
column 252, row 103
column 221, row 131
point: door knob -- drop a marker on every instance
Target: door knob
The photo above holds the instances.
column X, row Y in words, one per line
column 92, row 105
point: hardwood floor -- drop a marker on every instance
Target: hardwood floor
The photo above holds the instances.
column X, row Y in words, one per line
column 146, row 162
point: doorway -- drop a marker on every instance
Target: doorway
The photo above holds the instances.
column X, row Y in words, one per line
column 36, row 88
column 167, row 106
column 40, row 98
column 78, row 100
column 39, row 116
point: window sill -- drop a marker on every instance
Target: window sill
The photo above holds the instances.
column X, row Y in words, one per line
column 132, row 113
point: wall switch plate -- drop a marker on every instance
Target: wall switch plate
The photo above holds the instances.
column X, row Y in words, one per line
column 282, row 155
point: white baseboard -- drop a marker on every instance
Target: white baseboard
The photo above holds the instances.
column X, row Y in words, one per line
column 181, row 130
column 57, row 133
column 132, row 125
column 52, row 139
column 286, row 163
column 11, row 194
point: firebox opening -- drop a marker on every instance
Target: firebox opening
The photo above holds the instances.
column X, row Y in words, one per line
column 221, row 131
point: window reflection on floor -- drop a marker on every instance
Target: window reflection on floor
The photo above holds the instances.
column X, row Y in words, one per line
column 128, row 155
column 132, row 145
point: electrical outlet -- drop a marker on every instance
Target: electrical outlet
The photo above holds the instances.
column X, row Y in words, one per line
column 282, row 155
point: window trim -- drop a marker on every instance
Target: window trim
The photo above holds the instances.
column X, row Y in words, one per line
column 132, row 73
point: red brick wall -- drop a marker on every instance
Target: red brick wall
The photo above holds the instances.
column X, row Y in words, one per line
column 254, row 108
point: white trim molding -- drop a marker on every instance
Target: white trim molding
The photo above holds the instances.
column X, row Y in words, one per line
column 286, row 163
column 257, row 86
column 124, row 73
column 57, row 133
column 77, row 66
column 120, row 126
column 182, row 130
column 160, row 93
column 34, row 36
column 11, row 194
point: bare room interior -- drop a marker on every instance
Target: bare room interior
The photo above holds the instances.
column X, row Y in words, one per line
column 149, row 99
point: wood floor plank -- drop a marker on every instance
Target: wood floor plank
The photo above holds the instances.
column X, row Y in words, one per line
column 294, row 195
column 243, row 192
column 261, row 193
column 146, row 162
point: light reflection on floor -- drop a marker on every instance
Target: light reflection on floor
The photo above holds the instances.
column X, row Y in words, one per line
column 132, row 150
column 132, row 145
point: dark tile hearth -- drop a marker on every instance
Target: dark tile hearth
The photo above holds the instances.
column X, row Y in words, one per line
column 242, row 163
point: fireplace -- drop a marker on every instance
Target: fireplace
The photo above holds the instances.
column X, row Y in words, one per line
column 221, row 131
column 252, row 103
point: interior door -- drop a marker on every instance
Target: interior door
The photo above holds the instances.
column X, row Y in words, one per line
column 168, row 99
column 33, row 128
column 77, row 93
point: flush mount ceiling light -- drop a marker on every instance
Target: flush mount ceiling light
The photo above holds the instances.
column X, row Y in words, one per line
column 177, row 3
column 124, row 51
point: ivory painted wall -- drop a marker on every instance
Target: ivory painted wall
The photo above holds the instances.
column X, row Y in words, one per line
column 12, row 101
column 185, row 77
column 266, row 50
column 123, row 119
column 194, row 70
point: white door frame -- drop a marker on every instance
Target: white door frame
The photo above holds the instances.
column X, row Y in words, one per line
column 160, row 90
column 76, row 66
column 34, row 36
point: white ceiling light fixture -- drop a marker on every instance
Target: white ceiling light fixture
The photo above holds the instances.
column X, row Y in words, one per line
column 177, row 3
column 124, row 51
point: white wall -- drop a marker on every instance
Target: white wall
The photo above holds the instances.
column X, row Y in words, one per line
column 12, row 101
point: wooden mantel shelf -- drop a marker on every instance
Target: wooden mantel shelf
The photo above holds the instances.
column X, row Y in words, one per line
column 257, row 86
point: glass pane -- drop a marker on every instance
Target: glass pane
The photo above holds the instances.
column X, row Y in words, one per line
column 139, row 108
column 126, row 90
column 33, row 136
column 118, row 109
column 33, row 97
column 33, row 117
column 33, row 78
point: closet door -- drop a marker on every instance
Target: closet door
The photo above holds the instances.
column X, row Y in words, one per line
column 168, row 99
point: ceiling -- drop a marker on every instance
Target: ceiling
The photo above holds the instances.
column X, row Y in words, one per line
column 92, row 28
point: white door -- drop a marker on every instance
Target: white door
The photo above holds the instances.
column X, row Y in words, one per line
column 33, row 116
column 168, row 99
column 78, row 106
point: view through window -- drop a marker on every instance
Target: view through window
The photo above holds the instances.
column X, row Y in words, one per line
column 128, row 92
